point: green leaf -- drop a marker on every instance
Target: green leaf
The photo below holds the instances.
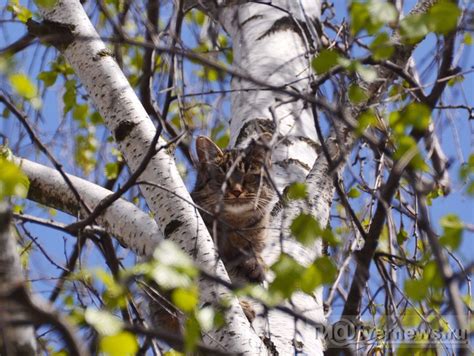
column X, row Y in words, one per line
column 61, row 352
column 111, row 170
column 452, row 231
column 96, row 118
column 414, row 28
column 168, row 277
column 442, row 18
column 192, row 334
column 467, row 168
column 270, row 298
column 207, row 318
column 365, row 120
column 84, row 153
column 371, row 16
column 114, row 293
column 324, row 61
column 416, row 289
column 297, row 191
column 435, row 193
column 407, row 148
column 212, row 74
column 382, row 12
column 305, row 228
column 104, row 322
column 329, row 237
column 322, row 271
column 47, row 4
column 418, row 115
column 13, row 182
column 22, row 13
column 121, row 344
column 79, row 113
column 414, row 115
column 69, row 97
column 173, row 353
column 367, row 73
column 23, row 86
column 457, row 79
column 353, row 193
column 61, row 66
column 360, row 16
column 402, row 236
column 167, row 253
column 287, row 275
column 410, row 317
column 49, row 78
column 432, row 276
column 357, row 94
column 173, row 269
column 185, row 299
column 468, row 39
column 223, row 140
column 381, row 47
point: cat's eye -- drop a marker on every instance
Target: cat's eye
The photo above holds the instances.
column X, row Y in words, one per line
column 254, row 167
column 252, row 178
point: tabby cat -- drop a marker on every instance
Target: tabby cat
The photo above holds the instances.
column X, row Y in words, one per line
column 234, row 190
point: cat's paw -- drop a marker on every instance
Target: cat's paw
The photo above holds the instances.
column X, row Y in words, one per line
column 248, row 310
column 253, row 269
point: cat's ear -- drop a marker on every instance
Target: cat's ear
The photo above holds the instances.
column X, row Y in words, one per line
column 206, row 149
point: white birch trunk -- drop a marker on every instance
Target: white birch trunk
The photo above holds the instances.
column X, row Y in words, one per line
column 125, row 221
column 269, row 46
column 126, row 118
column 14, row 339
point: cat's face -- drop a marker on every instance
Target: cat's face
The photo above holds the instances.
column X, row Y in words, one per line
column 232, row 182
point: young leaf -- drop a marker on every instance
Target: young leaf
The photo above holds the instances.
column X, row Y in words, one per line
column 47, row 4
column 325, row 60
column 49, row 78
column 305, row 228
column 23, row 86
column 13, row 182
column 296, row 191
column 185, row 299
column 443, row 16
column 104, row 322
column 452, row 231
column 121, row 344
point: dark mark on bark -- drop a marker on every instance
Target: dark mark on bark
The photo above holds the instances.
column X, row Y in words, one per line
column 270, row 346
column 251, row 18
column 172, row 226
column 123, row 130
column 288, row 23
column 282, row 24
column 287, row 162
column 105, row 52
column 276, row 209
column 57, row 34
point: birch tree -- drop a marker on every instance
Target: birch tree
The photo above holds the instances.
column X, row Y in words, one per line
column 356, row 164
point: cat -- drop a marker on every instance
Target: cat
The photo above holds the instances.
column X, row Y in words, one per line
column 234, row 190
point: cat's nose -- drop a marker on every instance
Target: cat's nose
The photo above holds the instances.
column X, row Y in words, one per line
column 236, row 190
